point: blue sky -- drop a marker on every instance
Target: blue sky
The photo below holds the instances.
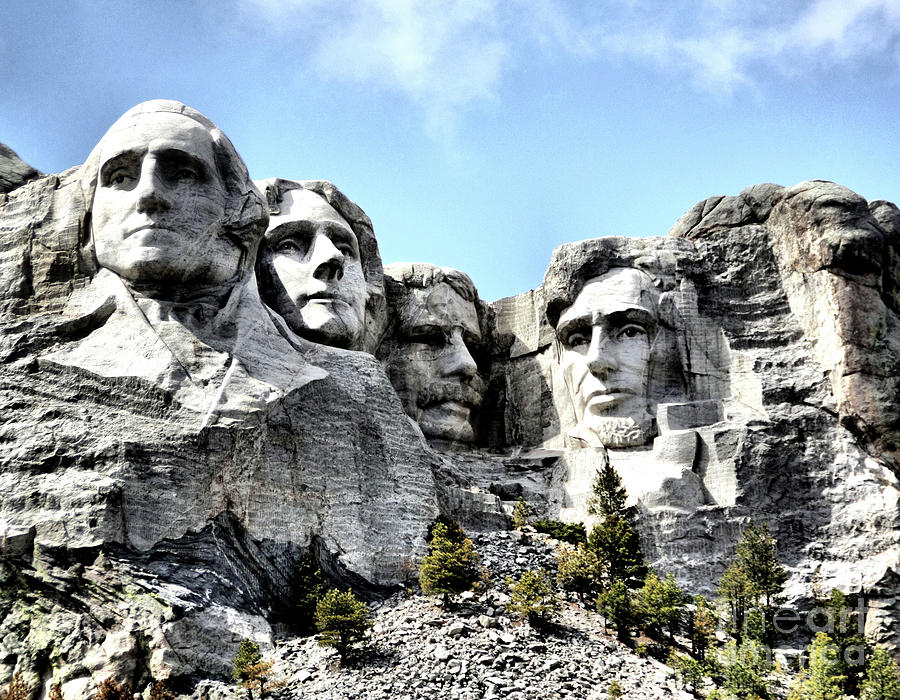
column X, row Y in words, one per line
column 480, row 134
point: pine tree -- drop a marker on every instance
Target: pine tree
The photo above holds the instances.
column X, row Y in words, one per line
column 312, row 588
column 618, row 546
column 451, row 565
column 703, row 625
column 159, row 690
column 744, row 667
column 736, row 592
column 615, row 605
column 689, row 670
column 247, row 655
column 56, row 693
column 882, row 681
column 580, row 571
column 659, row 605
column 259, row 678
column 757, row 556
column 521, row 513
column 822, row 679
column 608, row 496
column 532, row 597
column 342, row 621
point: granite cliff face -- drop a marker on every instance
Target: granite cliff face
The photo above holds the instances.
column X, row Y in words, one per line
column 170, row 451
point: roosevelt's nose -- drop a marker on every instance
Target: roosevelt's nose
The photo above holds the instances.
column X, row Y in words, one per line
column 601, row 356
column 150, row 191
column 327, row 260
column 457, row 360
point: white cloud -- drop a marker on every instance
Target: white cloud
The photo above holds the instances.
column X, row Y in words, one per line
column 444, row 55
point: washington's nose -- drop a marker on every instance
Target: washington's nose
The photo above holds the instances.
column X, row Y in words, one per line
column 601, row 357
column 458, row 361
column 327, row 259
column 150, row 191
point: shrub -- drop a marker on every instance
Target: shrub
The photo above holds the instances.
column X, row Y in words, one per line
column 822, row 679
column 882, row 681
column 247, row 655
column 159, row 690
column 111, row 690
column 56, row 693
column 744, row 667
column 689, row 670
column 533, row 598
column 342, row 620
column 703, row 623
column 579, row 570
column 451, row 565
column 615, row 690
column 259, row 677
column 18, row 688
column 573, row 533
column 521, row 513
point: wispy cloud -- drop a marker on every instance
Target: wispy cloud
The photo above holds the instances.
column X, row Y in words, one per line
column 444, row 55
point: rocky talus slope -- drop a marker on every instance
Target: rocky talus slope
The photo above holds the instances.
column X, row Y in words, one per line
column 418, row 650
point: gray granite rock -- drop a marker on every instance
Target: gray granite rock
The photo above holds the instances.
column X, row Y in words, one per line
column 14, row 172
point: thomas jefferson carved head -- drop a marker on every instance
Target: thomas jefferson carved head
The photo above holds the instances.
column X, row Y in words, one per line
column 429, row 353
column 319, row 267
column 171, row 208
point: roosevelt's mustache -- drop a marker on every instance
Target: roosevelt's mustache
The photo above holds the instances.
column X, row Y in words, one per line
column 468, row 393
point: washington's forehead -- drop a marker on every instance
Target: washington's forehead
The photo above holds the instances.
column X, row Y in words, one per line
column 617, row 290
column 158, row 131
column 440, row 305
column 303, row 205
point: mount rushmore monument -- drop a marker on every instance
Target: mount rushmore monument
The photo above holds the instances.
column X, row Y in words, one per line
column 205, row 378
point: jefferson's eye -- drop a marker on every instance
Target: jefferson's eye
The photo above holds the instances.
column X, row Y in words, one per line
column 288, row 246
column 632, row 331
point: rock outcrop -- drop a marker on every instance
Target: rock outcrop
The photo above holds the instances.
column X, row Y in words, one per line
column 170, row 450
column 14, row 172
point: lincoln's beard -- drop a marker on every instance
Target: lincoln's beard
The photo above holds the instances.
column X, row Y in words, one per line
column 620, row 431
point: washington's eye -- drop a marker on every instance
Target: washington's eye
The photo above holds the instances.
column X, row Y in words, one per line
column 632, row 331
column 119, row 177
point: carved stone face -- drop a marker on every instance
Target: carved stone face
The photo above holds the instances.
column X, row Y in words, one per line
column 432, row 367
column 605, row 339
column 159, row 206
column 315, row 255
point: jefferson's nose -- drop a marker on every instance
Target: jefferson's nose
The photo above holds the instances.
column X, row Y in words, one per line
column 327, row 260
column 458, row 361
column 601, row 357
column 150, row 191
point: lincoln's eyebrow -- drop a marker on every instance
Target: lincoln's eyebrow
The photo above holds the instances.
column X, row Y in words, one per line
column 574, row 322
column 635, row 314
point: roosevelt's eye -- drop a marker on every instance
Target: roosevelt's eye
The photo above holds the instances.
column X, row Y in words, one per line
column 187, row 174
column 434, row 337
column 632, row 331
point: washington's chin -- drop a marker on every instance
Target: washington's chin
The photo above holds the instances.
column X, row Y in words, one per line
column 333, row 322
column 449, row 421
